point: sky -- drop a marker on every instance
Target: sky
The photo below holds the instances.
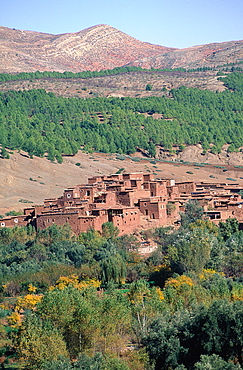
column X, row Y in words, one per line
column 171, row 23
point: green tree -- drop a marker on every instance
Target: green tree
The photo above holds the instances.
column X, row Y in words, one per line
column 115, row 322
column 189, row 250
column 113, row 269
column 109, row 231
column 181, row 339
column 152, row 149
column 149, row 87
column 61, row 364
column 229, row 227
column 38, row 341
column 74, row 315
column 193, row 211
column 4, row 154
column 146, row 304
column 214, row 362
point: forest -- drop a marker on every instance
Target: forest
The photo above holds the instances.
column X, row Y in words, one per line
column 92, row 302
column 41, row 123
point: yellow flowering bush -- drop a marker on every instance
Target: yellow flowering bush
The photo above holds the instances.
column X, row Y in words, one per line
column 32, row 288
column 179, row 281
column 73, row 280
column 160, row 294
column 14, row 319
column 27, row 302
column 207, row 273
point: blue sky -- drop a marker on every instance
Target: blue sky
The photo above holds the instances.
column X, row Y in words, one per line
column 174, row 23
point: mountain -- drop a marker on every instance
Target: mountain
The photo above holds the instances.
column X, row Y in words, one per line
column 103, row 47
column 209, row 55
column 95, row 48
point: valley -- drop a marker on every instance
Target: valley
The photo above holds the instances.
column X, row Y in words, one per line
column 130, row 252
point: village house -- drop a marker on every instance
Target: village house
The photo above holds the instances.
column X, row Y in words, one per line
column 130, row 201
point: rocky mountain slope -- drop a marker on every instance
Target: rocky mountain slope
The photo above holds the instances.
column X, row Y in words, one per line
column 102, row 47
column 95, row 48
column 209, row 55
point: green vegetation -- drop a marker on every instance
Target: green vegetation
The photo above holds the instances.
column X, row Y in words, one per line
column 85, row 74
column 149, row 87
column 13, row 213
column 78, row 302
column 89, row 74
column 40, row 123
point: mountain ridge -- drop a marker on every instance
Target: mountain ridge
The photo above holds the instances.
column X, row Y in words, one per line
column 103, row 47
column 95, row 48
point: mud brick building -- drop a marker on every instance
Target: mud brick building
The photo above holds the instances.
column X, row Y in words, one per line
column 131, row 201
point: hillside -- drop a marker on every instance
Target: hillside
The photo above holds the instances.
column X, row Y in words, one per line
column 124, row 84
column 103, row 47
column 209, row 55
column 95, row 48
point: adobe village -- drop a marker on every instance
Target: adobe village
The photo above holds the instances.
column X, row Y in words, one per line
column 131, row 201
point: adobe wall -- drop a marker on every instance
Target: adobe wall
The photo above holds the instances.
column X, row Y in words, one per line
column 12, row 221
column 60, row 219
column 138, row 194
column 128, row 221
column 173, row 192
column 237, row 210
column 186, row 187
column 158, row 189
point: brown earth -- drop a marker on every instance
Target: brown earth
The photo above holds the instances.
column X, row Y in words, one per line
column 103, row 47
column 194, row 154
column 25, row 181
